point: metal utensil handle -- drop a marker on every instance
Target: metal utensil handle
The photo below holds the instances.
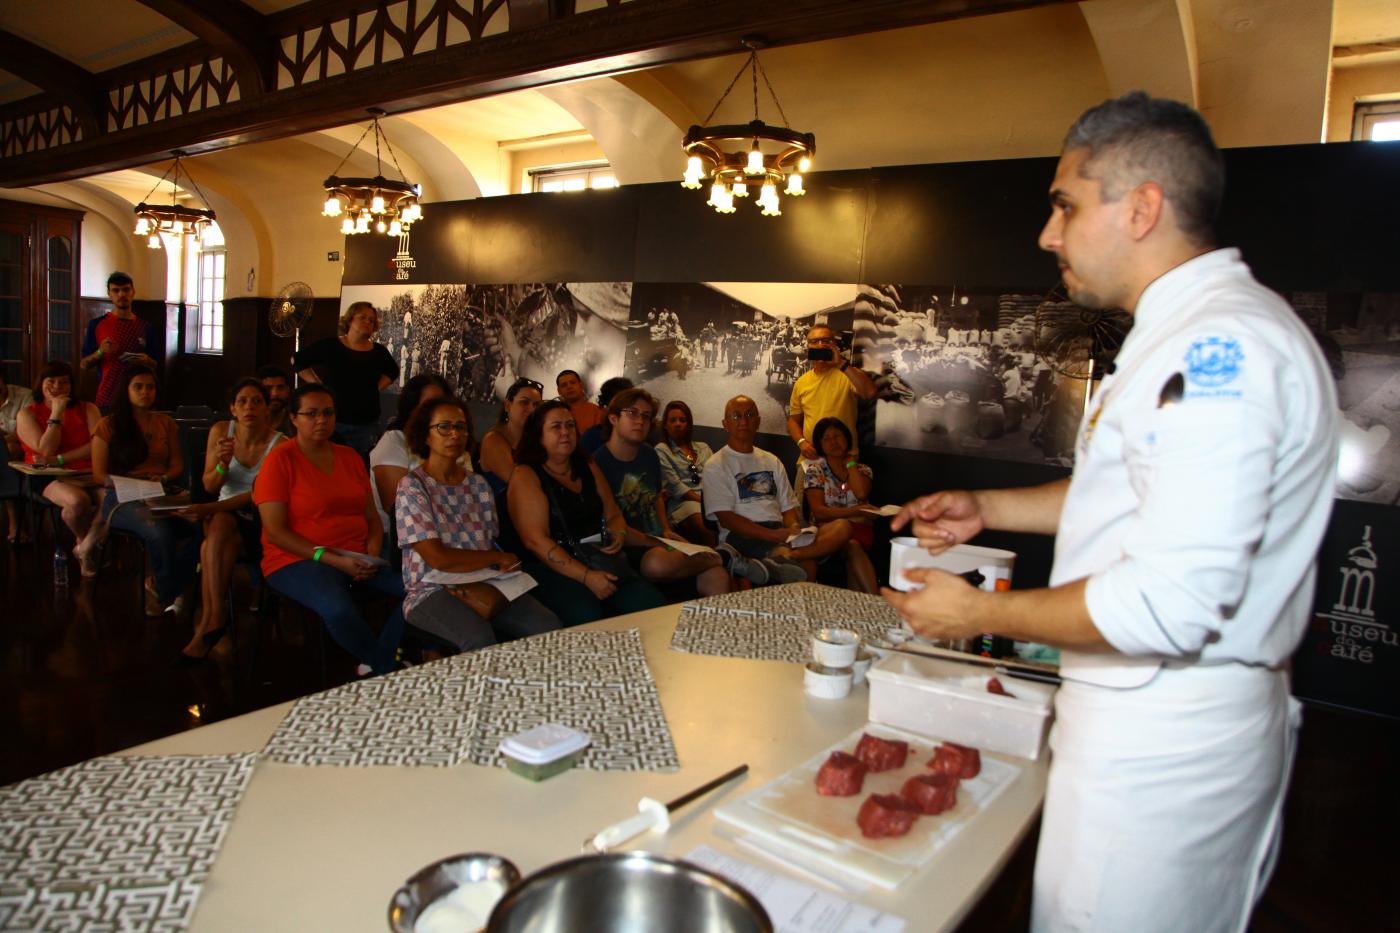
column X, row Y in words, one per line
column 703, row 789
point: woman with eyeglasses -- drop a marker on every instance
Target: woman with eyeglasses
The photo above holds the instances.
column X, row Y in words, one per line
column 233, row 456
column 138, row 442
column 56, row 429
column 321, row 534
column 447, row 521
column 498, row 446
column 559, row 499
column 836, row 485
column 682, row 467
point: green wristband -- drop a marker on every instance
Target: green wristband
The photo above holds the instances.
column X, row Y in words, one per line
column 316, row 554
column 60, row 459
column 219, row 468
column 850, row 463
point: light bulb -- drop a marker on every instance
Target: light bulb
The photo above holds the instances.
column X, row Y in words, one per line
column 804, row 164
column 740, row 190
column 694, row 171
column 362, row 224
column 347, row 226
column 153, row 241
column 726, row 202
column 794, row 185
column 395, row 228
column 143, row 226
column 755, row 163
column 376, row 204
column 717, row 194
column 332, row 208
column 381, row 226
column 768, row 200
column 178, row 228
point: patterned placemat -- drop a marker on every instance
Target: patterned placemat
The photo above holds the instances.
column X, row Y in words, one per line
column 115, row 843
column 774, row 623
column 460, row 708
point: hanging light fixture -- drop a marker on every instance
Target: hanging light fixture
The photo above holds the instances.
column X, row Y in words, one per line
column 379, row 204
column 174, row 219
column 736, row 156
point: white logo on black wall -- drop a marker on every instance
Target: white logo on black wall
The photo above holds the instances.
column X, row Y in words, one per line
column 1352, row 617
column 402, row 260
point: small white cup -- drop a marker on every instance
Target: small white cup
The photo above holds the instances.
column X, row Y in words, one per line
column 829, row 683
column 860, row 666
column 835, row 647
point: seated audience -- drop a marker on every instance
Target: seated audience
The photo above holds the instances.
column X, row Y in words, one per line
column 748, row 493
column 233, row 456
column 558, row 498
column 592, row 438
column 571, row 389
column 57, row 430
column 682, row 460
column 138, row 442
column 633, row 470
column 391, row 459
column 446, row 517
column 12, row 400
column 498, row 446
column 278, row 383
column 313, row 497
column 836, row 485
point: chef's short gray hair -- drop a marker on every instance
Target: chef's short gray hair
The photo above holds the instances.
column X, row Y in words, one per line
column 1136, row 138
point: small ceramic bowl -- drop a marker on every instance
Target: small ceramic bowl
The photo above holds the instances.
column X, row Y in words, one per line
column 441, row 879
column 834, row 647
column 829, row 683
column 861, row 664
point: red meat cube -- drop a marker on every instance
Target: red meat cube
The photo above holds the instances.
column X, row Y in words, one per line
column 841, row 775
column 886, row 815
column 994, row 686
column 881, row 754
column 931, row 793
column 958, row 761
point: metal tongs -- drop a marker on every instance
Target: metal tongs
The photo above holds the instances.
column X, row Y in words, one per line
column 652, row 813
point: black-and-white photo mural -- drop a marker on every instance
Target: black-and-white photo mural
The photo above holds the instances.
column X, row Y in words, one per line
column 707, row 342
column 481, row 338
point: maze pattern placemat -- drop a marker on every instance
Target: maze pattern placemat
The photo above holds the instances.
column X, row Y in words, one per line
column 774, row 623
column 460, row 708
column 116, row 843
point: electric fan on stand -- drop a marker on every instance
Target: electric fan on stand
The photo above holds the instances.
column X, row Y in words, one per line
column 290, row 310
column 1075, row 341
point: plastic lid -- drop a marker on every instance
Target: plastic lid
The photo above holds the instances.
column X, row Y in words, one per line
column 544, row 744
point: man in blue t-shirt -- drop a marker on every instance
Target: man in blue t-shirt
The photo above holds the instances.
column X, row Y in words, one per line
column 633, row 471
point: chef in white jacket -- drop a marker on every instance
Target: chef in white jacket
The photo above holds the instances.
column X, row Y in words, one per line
column 1185, row 545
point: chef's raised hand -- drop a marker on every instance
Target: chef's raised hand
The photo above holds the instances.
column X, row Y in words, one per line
column 942, row 609
column 942, row 519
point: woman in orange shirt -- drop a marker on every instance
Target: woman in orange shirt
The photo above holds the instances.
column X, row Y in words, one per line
column 314, row 500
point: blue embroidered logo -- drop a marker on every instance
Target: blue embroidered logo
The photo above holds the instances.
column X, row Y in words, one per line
column 1214, row 361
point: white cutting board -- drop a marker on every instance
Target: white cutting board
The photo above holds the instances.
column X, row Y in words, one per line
column 789, row 818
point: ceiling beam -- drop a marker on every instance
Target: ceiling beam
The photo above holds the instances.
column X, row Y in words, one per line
column 69, row 84
column 621, row 39
column 235, row 31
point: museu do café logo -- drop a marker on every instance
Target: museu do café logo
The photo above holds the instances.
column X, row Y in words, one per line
column 1352, row 618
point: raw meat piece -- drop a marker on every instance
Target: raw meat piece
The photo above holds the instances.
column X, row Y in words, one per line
column 886, row 815
column 994, row 686
column 881, row 754
column 956, row 760
column 931, row 793
column 841, row 775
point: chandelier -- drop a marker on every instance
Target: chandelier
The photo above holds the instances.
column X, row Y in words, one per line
column 379, row 204
column 174, row 219
column 738, row 156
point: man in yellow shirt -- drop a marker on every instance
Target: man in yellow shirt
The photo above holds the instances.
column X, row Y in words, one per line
column 828, row 390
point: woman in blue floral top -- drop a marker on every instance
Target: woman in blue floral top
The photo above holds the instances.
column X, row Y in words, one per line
column 446, row 520
column 837, row 485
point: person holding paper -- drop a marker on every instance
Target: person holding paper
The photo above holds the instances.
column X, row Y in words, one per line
column 748, row 493
column 447, row 521
column 682, row 460
column 836, row 486
column 633, row 470
column 137, row 442
column 117, row 341
column 321, row 535
column 57, row 431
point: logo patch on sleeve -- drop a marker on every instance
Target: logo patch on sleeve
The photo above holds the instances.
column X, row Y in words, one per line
column 1212, row 363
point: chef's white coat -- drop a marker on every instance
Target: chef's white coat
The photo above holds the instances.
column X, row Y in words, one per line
column 1196, row 519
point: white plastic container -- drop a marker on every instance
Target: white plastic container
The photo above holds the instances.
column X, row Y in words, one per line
column 993, row 563
column 543, row 751
column 949, row 700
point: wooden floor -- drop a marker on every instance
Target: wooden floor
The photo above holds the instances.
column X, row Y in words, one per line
column 85, row 673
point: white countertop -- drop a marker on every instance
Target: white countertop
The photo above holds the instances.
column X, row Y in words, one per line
column 324, row 848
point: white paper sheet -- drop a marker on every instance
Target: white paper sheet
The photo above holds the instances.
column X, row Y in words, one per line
column 885, row 510
column 452, row 578
column 513, row 585
column 687, row 548
column 795, row 907
column 803, row 538
column 356, row 555
column 135, row 490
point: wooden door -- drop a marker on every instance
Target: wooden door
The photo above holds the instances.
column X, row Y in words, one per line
column 15, row 336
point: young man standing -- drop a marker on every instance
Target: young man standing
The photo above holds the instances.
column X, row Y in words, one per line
column 570, row 386
column 633, row 470
column 828, row 390
column 1185, row 545
column 117, row 340
column 747, row 492
column 279, row 389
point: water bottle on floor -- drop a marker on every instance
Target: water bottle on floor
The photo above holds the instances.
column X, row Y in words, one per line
column 60, row 566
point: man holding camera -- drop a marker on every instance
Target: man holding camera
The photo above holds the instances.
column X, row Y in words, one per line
column 828, row 390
